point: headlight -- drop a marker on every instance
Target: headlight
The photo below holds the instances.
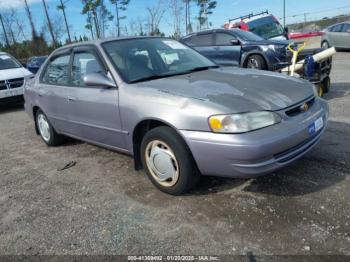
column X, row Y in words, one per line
column 241, row 123
column 278, row 48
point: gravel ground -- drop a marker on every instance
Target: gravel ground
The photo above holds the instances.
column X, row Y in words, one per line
column 102, row 206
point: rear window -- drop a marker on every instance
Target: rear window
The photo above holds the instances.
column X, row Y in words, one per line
column 200, row 40
column 266, row 27
column 56, row 72
column 8, row 62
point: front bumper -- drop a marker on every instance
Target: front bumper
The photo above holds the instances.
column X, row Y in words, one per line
column 13, row 92
column 258, row 152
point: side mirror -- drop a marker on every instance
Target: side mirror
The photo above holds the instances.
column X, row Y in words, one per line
column 235, row 42
column 97, row 79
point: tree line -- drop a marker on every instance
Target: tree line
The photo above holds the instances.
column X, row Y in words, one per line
column 103, row 18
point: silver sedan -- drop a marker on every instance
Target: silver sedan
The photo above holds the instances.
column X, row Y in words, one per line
column 337, row 35
column 176, row 112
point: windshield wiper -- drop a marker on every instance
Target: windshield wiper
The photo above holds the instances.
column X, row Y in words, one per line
column 200, row 68
column 154, row 77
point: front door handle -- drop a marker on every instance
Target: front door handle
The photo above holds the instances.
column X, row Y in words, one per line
column 71, row 99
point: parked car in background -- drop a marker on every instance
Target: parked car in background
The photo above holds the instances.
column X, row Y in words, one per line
column 235, row 47
column 337, row 35
column 13, row 77
column 263, row 24
column 34, row 63
column 175, row 111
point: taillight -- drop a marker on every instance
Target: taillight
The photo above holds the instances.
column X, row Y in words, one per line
column 244, row 26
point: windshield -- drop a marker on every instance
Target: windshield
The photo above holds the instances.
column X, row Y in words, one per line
column 139, row 59
column 247, row 36
column 266, row 27
column 7, row 62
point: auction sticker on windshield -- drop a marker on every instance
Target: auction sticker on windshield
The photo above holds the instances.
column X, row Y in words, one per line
column 174, row 44
column 316, row 126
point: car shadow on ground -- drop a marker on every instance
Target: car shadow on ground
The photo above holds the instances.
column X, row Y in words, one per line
column 338, row 90
column 324, row 166
column 11, row 107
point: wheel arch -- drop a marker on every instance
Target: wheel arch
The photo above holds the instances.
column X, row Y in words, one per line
column 140, row 130
column 245, row 57
column 35, row 110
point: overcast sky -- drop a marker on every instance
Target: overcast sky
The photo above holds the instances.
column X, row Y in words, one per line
column 226, row 9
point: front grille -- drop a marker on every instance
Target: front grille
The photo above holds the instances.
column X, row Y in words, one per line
column 11, row 83
column 298, row 109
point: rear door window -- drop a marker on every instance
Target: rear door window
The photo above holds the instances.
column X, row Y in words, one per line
column 346, row 27
column 57, row 71
column 201, row 40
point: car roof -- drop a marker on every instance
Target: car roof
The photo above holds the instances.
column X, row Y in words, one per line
column 341, row 23
column 101, row 41
column 219, row 30
column 250, row 19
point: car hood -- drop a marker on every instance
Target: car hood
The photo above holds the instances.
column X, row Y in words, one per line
column 236, row 90
column 13, row 73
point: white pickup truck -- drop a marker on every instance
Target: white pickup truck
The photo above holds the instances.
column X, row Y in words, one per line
column 13, row 77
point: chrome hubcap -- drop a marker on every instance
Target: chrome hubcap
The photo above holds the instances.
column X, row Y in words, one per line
column 161, row 163
column 44, row 127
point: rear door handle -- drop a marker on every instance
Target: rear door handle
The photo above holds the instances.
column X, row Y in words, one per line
column 71, row 99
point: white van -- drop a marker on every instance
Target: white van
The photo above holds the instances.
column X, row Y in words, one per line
column 13, row 77
column 263, row 24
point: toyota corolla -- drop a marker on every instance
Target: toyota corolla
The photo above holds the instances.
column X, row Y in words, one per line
column 177, row 113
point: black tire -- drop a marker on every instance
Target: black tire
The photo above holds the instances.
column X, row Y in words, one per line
column 256, row 62
column 325, row 44
column 188, row 172
column 326, row 83
column 320, row 89
column 53, row 138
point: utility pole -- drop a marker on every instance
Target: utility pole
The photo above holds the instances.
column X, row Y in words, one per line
column 186, row 16
column 34, row 35
column 305, row 14
column 49, row 24
column 284, row 13
column 63, row 8
column 4, row 29
column 117, row 13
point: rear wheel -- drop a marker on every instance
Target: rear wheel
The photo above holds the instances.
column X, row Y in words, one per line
column 326, row 84
column 256, row 62
column 320, row 90
column 46, row 130
column 168, row 162
column 325, row 44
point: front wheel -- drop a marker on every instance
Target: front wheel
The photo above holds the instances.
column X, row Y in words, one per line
column 46, row 130
column 168, row 162
column 256, row 62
